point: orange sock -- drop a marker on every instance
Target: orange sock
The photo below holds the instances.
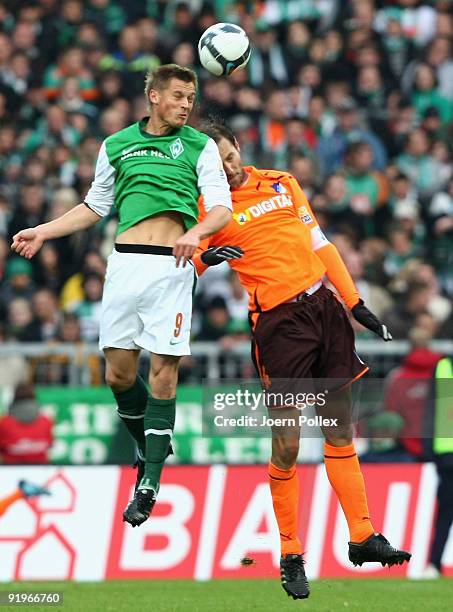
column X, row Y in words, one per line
column 345, row 476
column 284, row 486
column 6, row 502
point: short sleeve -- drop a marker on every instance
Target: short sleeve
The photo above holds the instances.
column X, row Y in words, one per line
column 101, row 195
column 306, row 215
column 301, row 203
column 212, row 181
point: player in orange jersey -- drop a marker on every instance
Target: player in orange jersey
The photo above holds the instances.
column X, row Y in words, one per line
column 300, row 331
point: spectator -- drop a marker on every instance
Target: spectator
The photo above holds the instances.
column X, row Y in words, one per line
column 383, row 430
column 184, row 55
column 71, row 99
column 402, row 318
column 220, row 98
column 439, row 307
column 402, row 191
column 296, row 50
column 402, row 248
column 112, row 120
column 21, row 325
column 69, row 329
column 308, row 84
column 438, row 55
column 14, row 369
column 237, row 305
column 17, row 76
column 418, row 22
column 426, row 94
column 407, row 215
column 70, row 64
column 371, row 93
column 52, row 131
column 305, row 172
column 272, row 128
column 332, row 148
column 440, row 449
column 419, row 165
column 441, row 216
column 180, row 23
column 24, row 39
column 6, row 49
column 59, row 368
column 399, row 48
column 32, row 207
column 47, row 314
column 48, row 273
column 335, row 194
column 267, row 62
column 25, row 433
column 247, row 137
column 130, row 60
column 406, row 390
column 377, row 297
column 19, row 283
column 216, row 320
column 367, row 190
column 110, row 17
column 68, row 22
column 73, row 293
column 89, row 310
column 152, row 43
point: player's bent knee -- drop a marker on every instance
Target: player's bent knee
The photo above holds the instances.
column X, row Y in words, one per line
column 284, row 454
column 164, row 377
column 164, row 384
column 339, row 438
column 163, row 390
column 119, row 381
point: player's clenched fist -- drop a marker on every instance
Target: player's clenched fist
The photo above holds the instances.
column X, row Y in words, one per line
column 27, row 242
column 366, row 318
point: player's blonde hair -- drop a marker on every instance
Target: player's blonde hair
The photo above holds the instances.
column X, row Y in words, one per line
column 159, row 78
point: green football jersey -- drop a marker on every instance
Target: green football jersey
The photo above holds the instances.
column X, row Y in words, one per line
column 143, row 175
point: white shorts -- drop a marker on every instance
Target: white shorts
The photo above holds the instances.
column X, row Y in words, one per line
column 147, row 303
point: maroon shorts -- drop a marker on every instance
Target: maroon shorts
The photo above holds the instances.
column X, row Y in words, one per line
column 310, row 339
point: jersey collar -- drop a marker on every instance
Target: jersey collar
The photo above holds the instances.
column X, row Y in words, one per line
column 142, row 128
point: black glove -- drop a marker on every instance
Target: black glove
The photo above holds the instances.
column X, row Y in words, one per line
column 366, row 318
column 217, row 255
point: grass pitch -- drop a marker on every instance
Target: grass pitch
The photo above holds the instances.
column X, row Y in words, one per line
column 244, row 596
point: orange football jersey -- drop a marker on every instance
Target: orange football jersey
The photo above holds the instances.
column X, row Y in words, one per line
column 272, row 223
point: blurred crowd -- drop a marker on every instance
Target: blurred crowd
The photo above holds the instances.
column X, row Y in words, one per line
column 354, row 98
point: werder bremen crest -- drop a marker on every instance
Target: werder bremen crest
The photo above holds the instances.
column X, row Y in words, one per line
column 176, row 148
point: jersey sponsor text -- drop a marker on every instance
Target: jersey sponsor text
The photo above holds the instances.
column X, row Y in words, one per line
column 279, row 201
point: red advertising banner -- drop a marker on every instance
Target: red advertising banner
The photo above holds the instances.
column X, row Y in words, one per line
column 206, row 520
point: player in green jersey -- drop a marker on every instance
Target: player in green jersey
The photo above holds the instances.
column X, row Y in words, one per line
column 153, row 172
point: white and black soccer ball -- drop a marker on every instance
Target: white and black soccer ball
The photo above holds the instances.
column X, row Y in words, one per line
column 223, row 48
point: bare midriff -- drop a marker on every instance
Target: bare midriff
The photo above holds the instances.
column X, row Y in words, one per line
column 162, row 229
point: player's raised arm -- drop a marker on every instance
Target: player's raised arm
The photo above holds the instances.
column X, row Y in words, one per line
column 215, row 190
column 28, row 241
column 336, row 270
column 97, row 204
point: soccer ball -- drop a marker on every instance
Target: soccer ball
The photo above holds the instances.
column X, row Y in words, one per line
column 223, row 48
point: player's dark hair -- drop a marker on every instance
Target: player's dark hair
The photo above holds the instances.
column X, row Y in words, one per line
column 216, row 129
column 160, row 77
